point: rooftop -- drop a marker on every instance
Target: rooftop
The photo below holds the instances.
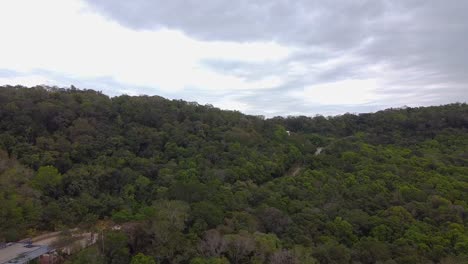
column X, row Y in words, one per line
column 21, row 252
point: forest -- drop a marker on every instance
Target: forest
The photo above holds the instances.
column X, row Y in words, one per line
column 191, row 183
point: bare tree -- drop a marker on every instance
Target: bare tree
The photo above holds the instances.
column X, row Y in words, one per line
column 213, row 244
column 239, row 247
column 284, row 257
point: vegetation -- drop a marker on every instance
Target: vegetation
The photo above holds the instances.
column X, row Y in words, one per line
column 194, row 184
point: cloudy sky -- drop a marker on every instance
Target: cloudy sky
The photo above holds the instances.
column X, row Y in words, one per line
column 265, row 57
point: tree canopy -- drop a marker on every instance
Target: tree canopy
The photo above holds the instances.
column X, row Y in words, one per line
column 190, row 183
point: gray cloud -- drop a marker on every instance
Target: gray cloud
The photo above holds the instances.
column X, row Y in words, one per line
column 421, row 45
column 334, row 22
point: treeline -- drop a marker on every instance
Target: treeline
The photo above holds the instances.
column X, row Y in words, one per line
column 195, row 184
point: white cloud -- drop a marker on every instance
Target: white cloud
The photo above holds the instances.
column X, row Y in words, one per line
column 347, row 92
column 65, row 37
column 232, row 104
column 28, row 80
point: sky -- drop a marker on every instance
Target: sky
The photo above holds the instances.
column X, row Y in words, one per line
column 261, row 57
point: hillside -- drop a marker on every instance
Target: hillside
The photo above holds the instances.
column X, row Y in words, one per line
column 197, row 184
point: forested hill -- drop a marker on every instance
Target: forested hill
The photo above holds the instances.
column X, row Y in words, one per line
column 196, row 184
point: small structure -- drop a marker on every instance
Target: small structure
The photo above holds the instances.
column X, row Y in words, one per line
column 19, row 253
column 318, row 151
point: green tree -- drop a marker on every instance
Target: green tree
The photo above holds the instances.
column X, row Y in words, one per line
column 209, row 212
column 166, row 228
column 114, row 247
column 199, row 260
column 141, row 258
column 47, row 179
column 89, row 255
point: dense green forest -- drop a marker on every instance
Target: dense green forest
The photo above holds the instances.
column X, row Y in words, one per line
column 194, row 184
